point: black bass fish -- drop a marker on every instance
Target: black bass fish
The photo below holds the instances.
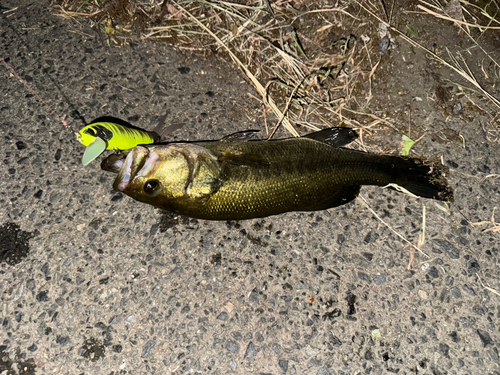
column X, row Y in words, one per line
column 239, row 178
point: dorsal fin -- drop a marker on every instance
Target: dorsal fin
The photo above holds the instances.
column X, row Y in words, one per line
column 244, row 135
column 336, row 137
column 161, row 131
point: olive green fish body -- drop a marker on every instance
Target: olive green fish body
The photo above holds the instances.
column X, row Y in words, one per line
column 232, row 180
column 290, row 175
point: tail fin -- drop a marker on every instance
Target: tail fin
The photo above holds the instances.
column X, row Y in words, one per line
column 424, row 180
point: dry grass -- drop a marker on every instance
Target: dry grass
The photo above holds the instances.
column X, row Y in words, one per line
column 494, row 291
column 294, row 53
column 495, row 227
column 300, row 56
column 454, row 12
column 456, row 61
column 414, row 247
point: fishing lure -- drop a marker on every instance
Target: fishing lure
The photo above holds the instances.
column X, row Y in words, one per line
column 109, row 133
column 105, row 135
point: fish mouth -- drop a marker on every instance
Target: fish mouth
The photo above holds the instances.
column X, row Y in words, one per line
column 139, row 162
column 113, row 163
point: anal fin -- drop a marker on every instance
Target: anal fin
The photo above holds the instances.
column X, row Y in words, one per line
column 345, row 195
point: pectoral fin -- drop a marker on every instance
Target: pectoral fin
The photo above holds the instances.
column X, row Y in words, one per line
column 93, row 150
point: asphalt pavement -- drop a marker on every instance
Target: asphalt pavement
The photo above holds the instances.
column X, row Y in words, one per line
column 92, row 282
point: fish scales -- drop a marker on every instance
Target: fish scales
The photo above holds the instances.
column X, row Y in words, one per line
column 302, row 175
column 231, row 180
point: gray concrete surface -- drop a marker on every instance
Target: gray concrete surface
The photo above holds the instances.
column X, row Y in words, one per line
column 97, row 283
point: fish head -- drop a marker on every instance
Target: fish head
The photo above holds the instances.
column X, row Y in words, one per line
column 168, row 175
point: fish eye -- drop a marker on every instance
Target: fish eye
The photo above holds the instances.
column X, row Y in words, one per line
column 151, row 186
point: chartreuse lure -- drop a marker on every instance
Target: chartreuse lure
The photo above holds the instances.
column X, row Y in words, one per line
column 106, row 133
column 100, row 136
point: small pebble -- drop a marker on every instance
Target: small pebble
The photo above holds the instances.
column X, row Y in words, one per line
column 233, row 365
column 223, row 316
column 254, row 294
column 368, row 256
column 232, row 346
column 473, row 266
column 147, row 348
column 449, row 280
column 380, row 279
column 251, row 351
column 448, row 248
column 485, row 337
column 423, row 294
column 62, row 340
column 117, row 197
column 21, row 145
column 444, row 348
column 433, row 272
column 283, row 365
column 454, row 336
column 457, row 108
column 384, row 45
column 469, row 290
column 229, row 307
column 42, row 296
column 455, row 293
column 363, row 276
column 334, row 340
